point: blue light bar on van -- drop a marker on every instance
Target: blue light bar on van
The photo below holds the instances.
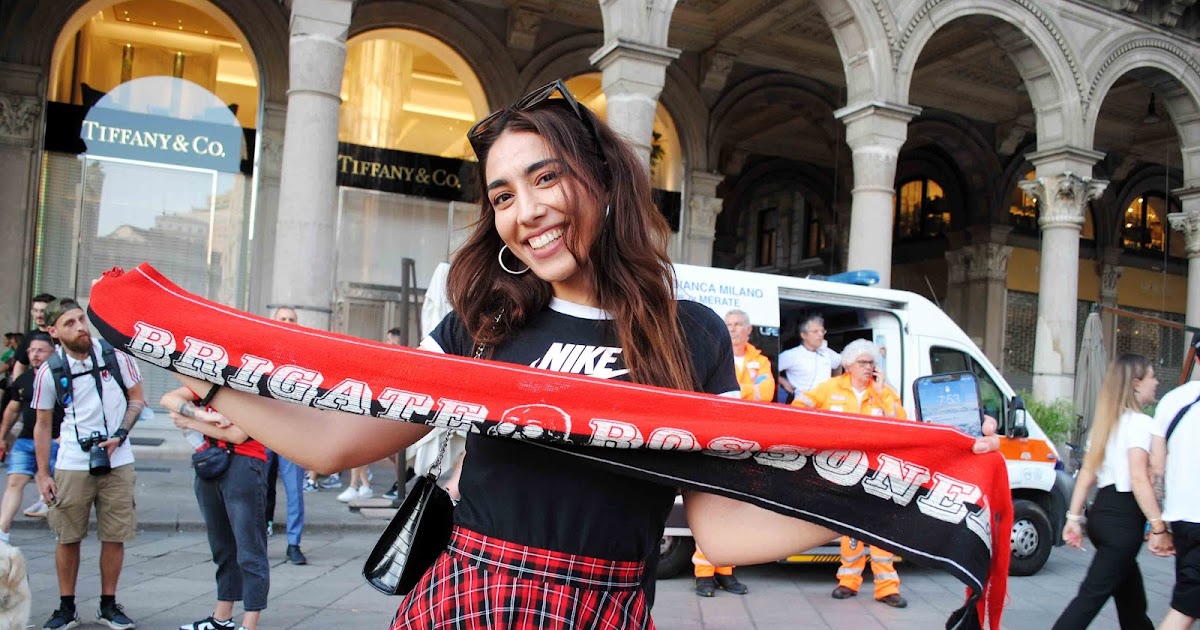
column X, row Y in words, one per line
column 861, row 277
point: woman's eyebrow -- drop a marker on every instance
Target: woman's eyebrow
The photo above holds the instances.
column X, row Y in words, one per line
column 529, row 170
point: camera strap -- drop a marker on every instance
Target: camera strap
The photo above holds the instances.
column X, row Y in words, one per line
column 71, row 376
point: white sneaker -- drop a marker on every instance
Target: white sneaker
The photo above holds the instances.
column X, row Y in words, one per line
column 37, row 510
column 365, row 492
column 348, row 495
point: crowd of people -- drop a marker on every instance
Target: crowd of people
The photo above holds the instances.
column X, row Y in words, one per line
column 570, row 248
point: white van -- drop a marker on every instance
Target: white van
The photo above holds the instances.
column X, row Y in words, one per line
column 917, row 339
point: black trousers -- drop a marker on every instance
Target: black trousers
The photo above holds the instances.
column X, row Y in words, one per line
column 1116, row 526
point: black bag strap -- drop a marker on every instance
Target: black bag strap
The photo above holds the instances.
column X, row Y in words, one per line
column 1179, row 416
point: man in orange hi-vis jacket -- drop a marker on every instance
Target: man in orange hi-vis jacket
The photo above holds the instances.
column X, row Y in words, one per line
column 757, row 382
column 861, row 389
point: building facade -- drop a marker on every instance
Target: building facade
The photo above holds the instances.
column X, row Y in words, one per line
column 1017, row 161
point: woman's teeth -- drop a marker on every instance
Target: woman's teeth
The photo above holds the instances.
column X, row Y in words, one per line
column 545, row 238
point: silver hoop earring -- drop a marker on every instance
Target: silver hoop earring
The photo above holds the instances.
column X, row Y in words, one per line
column 500, row 257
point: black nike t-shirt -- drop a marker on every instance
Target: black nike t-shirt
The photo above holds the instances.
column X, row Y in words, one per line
column 21, row 391
column 536, row 495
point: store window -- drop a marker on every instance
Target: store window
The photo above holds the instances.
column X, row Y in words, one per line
column 148, row 153
column 1145, row 228
column 405, row 167
column 921, row 210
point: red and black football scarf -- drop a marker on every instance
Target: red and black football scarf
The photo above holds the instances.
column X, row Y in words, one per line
column 911, row 488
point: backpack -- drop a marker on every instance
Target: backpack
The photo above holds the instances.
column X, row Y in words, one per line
column 62, row 375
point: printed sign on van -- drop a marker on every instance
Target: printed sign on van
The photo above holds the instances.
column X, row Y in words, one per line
column 723, row 290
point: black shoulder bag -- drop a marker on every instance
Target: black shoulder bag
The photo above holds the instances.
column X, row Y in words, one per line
column 212, row 462
column 419, row 532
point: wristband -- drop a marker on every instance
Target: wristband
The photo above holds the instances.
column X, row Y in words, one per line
column 121, row 434
column 1074, row 518
column 204, row 402
column 1160, row 533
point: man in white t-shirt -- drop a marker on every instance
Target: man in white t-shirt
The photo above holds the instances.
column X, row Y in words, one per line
column 1175, row 460
column 96, row 415
column 808, row 364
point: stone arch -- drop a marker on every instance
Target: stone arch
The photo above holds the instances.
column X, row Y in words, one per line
column 865, row 31
column 487, row 56
column 564, row 58
column 768, row 86
column 816, row 186
column 1178, row 92
column 1038, row 50
column 974, row 160
column 32, row 35
column 686, row 106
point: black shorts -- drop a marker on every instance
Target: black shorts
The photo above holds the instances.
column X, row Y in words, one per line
column 1186, row 597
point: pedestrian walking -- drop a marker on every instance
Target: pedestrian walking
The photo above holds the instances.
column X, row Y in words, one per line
column 1118, row 463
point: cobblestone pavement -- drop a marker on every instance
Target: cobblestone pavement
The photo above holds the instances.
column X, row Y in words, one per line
column 168, row 576
column 168, row 580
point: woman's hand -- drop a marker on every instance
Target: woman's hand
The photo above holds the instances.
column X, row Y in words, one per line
column 1072, row 534
column 179, row 403
column 990, row 441
column 1162, row 544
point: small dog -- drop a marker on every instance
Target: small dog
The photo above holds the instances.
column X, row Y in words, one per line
column 15, row 598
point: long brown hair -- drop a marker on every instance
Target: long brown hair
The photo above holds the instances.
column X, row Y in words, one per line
column 615, row 232
column 1116, row 397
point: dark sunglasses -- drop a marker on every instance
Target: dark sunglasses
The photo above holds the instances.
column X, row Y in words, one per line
column 531, row 100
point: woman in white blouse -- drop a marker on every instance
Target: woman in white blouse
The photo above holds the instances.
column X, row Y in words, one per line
column 1118, row 462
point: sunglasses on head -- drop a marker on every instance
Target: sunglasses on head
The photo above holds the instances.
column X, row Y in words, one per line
column 528, row 102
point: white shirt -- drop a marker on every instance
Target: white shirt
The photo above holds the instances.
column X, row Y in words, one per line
column 84, row 412
column 1183, row 465
column 1132, row 431
column 805, row 369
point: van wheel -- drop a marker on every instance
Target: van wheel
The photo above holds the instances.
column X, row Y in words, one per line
column 674, row 555
column 1032, row 539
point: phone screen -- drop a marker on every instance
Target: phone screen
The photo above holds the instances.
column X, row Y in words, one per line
column 952, row 400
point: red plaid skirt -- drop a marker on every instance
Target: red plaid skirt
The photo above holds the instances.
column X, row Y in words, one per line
column 488, row 583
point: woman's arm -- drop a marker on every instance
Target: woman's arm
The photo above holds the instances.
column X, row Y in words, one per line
column 720, row 525
column 1143, row 493
column 324, row 441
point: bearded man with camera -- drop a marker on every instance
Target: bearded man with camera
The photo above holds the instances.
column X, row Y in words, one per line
column 100, row 392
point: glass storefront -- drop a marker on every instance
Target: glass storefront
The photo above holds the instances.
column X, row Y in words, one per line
column 148, row 156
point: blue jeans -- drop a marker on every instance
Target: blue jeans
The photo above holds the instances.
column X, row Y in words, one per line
column 293, row 486
column 23, row 461
column 232, row 506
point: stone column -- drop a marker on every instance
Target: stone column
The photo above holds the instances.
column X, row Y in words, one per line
column 306, row 225
column 1062, row 197
column 1110, row 277
column 956, row 280
column 875, row 132
column 268, row 170
column 633, row 63
column 22, row 92
column 987, row 295
column 1188, row 222
column 700, row 222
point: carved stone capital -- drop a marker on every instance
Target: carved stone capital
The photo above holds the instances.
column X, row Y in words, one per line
column 1063, row 198
column 1189, row 224
column 716, row 65
column 956, row 267
column 523, row 26
column 702, row 216
column 19, row 115
column 987, row 261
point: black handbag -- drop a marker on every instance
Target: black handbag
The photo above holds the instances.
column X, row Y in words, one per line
column 417, row 535
column 212, row 462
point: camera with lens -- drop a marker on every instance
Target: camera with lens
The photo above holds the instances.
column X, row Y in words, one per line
column 98, row 463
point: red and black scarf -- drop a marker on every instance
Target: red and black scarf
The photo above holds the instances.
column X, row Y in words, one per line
column 911, row 488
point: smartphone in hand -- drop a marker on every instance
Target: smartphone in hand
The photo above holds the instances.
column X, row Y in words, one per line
column 951, row 399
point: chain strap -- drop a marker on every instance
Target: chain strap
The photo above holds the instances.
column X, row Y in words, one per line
column 444, row 441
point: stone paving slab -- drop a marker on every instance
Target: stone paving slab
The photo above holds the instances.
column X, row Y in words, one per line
column 168, row 580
